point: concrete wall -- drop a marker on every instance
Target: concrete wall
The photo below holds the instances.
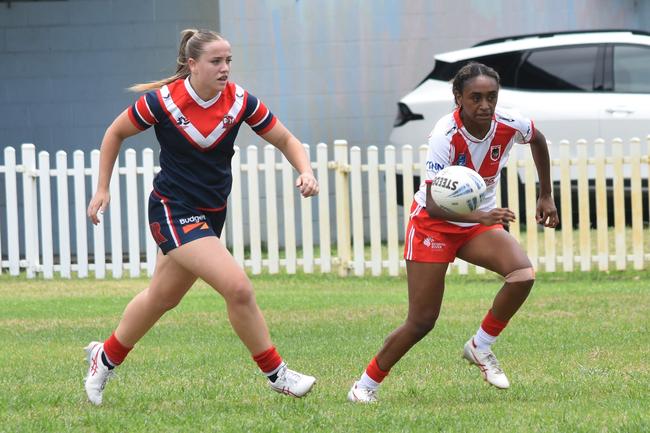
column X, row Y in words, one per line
column 336, row 69
column 66, row 64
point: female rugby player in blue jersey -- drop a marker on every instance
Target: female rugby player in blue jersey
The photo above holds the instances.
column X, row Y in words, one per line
column 196, row 115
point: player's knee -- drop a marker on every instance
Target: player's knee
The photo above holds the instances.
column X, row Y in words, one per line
column 522, row 275
column 165, row 303
column 168, row 304
column 420, row 327
column 157, row 301
column 240, row 293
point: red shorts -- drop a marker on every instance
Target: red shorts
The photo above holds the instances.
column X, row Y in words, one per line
column 432, row 240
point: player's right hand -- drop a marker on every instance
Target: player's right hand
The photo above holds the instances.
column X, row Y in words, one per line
column 497, row 215
column 98, row 205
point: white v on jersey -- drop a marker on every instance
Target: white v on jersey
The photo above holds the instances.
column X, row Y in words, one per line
column 451, row 144
column 197, row 138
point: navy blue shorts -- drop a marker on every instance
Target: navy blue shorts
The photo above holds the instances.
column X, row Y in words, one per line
column 174, row 223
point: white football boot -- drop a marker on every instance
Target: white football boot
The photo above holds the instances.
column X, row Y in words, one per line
column 487, row 363
column 359, row 394
column 98, row 373
column 292, row 383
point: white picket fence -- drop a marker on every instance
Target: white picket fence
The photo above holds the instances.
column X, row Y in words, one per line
column 367, row 222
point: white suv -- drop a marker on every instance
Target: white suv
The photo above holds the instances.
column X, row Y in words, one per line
column 572, row 84
column 583, row 84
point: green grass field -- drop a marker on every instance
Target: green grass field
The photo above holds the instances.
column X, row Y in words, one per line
column 576, row 355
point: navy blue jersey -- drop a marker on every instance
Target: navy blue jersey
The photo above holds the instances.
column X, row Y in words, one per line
column 197, row 138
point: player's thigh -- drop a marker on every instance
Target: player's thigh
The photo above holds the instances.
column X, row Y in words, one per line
column 496, row 250
column 426, row 286
column 207, row 258
column 170, row 280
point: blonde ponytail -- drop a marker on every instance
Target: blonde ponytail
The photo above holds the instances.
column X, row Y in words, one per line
column 191, row 46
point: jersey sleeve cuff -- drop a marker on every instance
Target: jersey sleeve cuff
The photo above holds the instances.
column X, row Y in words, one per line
column 268, row 127
column 134, row 120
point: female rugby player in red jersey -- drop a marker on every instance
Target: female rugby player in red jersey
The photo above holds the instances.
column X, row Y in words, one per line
column 196, row 115
column 478, row 135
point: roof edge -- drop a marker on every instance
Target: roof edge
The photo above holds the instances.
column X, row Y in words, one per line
column 550, row 34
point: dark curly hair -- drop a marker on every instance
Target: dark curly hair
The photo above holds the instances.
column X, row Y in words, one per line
column 469, row 71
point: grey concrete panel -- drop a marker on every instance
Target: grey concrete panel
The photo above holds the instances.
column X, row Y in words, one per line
column 14, row 15
column 91, row 114
column 15, row 115
column 69, row 38
column 48, row 14
column 32, row 90
column 142, row 11
column 50, row 114
column 22, row 39
column 172, row 10
column 84, row 13
column 16, row 136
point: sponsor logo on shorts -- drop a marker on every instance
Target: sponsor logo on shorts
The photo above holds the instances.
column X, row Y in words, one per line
column 193, row 222
column 192, row 219
column 429, row 242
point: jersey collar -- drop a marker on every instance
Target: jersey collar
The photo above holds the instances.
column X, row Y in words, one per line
column 465, row 132
column 197, row 98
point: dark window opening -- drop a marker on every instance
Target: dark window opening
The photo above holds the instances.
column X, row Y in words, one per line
column 559, row 69
column 631, row 69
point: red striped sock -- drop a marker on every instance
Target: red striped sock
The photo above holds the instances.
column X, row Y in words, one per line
column 374, row 372
column 115, row 351
column 491, row 325
column 268, row 361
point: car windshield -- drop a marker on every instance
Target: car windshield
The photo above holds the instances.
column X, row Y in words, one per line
column 504, row 63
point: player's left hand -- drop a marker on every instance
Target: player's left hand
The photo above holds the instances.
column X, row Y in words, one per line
column 546, row 212
column 307, row 184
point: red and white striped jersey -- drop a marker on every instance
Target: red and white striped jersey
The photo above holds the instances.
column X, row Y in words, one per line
column 451, row 144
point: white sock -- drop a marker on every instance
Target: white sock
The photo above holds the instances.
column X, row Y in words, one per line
column 367, row 382
column 483, row 340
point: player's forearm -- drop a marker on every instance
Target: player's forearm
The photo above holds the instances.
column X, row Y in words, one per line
column 290, row 147
column 117, row 132
column 544, row 173
column 107, row 155
column 539, row 150
column 295, row 153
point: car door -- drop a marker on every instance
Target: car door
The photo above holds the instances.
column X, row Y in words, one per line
column 626, row 113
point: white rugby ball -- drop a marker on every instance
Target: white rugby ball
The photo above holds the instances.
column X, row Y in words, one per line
column 458, row 189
